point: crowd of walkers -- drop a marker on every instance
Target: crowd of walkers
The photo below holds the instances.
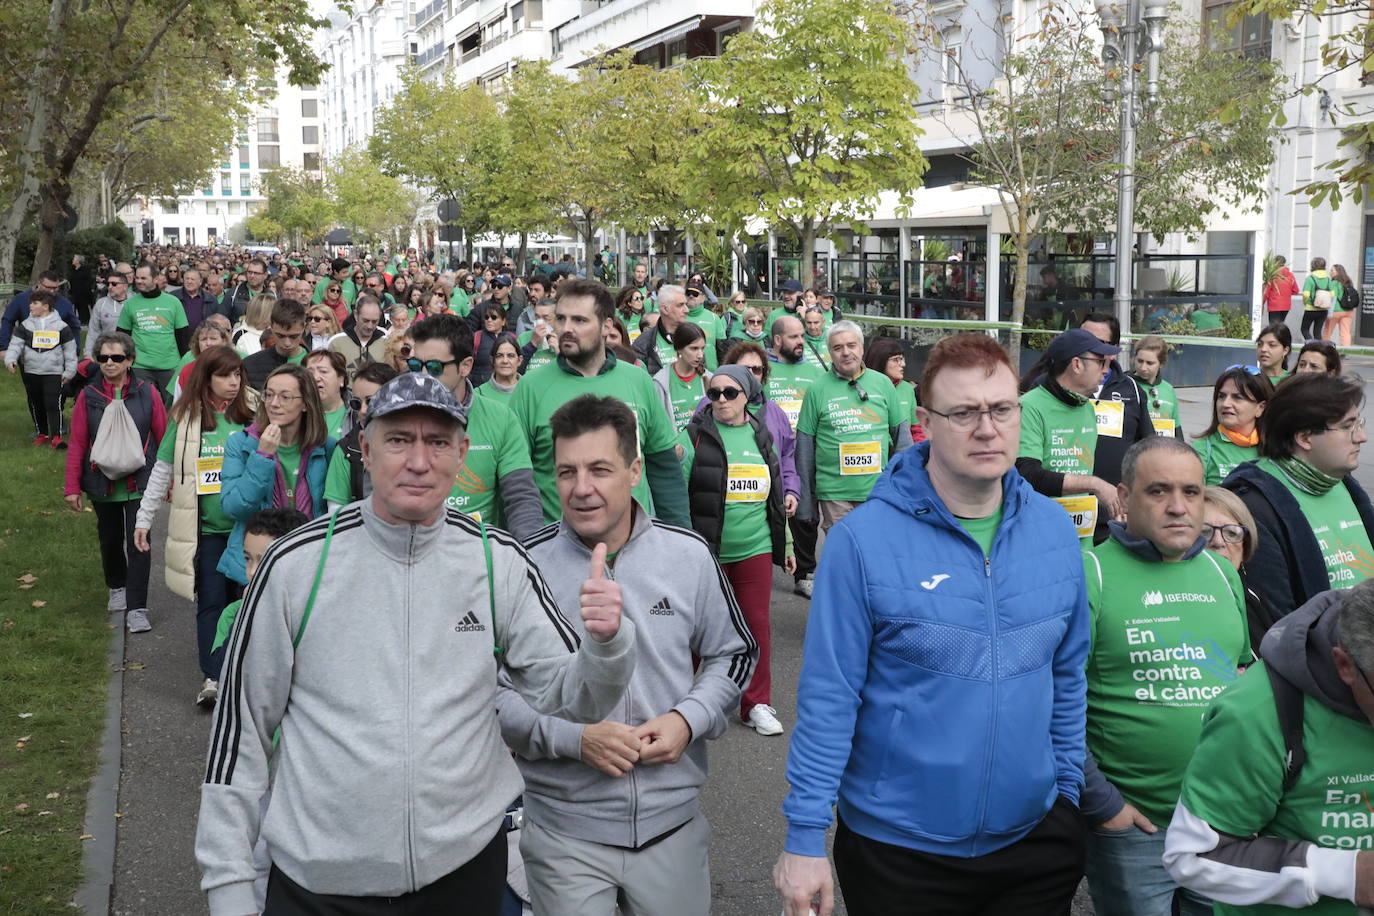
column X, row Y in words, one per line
column 1047, row 637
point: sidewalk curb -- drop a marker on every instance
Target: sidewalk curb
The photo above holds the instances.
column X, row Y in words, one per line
column 98, row 854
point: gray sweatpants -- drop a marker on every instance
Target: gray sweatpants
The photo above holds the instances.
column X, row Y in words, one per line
column 571, row 877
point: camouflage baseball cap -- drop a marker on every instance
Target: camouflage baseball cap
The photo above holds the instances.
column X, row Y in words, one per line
column 415, row 389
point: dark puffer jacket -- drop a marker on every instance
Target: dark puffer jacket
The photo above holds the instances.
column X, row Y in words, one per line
column 707, row 480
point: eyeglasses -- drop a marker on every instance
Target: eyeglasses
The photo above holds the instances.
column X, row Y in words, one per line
column 739, row 301
column 1253, row 370
column 434, row 367
column 1093, row 359
column 693, row 294
column 280, row 397
column 637, row 296
column 1349, row 428
column 111, row 358
column 757, row 370
column 729, row 394
column 117, row 281
column 753, row 321
column 356, row 404
column 968, row 418
column 1231, row 534
column 317, row 318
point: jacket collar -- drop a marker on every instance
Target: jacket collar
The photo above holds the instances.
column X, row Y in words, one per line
column 1145, row 549
column 403, row 543
column 638, row 525
column 607, row 366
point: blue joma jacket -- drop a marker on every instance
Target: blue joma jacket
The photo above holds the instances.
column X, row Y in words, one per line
column 942, row 696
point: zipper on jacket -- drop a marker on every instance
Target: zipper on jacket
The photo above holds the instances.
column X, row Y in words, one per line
column 409, row 772
column 996, row 696
column 634, row 782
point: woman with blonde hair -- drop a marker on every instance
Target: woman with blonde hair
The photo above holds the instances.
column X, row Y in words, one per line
column 1231, row 531
column 320, row 327
column 247, row 334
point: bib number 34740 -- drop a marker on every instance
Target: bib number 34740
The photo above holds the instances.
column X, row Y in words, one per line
column 857, row 458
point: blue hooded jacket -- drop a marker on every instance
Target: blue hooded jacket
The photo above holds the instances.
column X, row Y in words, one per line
column 942, row 696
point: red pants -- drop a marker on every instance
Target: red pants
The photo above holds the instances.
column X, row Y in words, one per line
column 752, row 581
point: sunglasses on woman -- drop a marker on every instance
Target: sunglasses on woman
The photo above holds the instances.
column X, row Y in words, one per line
column 729, row 394
column 110, row 357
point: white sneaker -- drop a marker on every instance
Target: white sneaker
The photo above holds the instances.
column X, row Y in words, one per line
column 137, row 620
column 764, row 720
column 117, row 600
column 804, row 586
column 209, row 693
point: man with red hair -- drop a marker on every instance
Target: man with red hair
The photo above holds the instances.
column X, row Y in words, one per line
column 941, row 703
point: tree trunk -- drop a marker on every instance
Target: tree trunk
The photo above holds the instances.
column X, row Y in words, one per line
column 670, row 246
column 589, row 234
column 51, row 212
column 524, row 252
column 807, row 271
column 1018, row 292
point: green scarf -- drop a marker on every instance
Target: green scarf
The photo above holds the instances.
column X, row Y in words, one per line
column 1305, row 477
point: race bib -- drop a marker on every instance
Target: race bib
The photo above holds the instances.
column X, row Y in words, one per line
column 747, row 483
column 208, row 474
column 45, row 340
column 1082, row 510
column 1164, row 426
column 1111, row 416
column 857, row 458
column 791, row 407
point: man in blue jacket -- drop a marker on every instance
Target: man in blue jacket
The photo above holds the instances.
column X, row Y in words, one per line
column 18, row 308
column 941, row 702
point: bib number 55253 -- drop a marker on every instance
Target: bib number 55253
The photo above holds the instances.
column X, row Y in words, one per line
column 857, row 458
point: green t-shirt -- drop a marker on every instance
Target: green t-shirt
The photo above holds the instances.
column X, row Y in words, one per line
column 226, row 624
column 714, row 329
column 684, row 395
column 1062, row 438
column 209, row 464
column 745, row 533
column 774, row 315
column 1220, row 456
column 546, row 389
column 333, row 420
column 540, row 357
column 666, row 352
column 350, row 290
column 338, row 479
column 787, row 386
column 853, row 434
column 289, row 457
column 153, row 323
column 1235, row 780
column 905, row 392
column 461, row 302
column 1162, row 401
column 491, row 392
column 983, row 530
column 1339, row 530
column 495, row 449
column 1167, row 639
column 814, row 352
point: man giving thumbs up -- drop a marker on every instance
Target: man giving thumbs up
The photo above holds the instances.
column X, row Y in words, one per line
column 581, row 815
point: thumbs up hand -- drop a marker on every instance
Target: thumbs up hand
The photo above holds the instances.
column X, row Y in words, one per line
column 600, row 599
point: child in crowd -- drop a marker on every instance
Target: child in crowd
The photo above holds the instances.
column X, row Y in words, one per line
column 46, row 346
column 263, row 528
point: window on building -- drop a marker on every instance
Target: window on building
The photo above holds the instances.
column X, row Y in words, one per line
column 534, row 14
column 233, row 208
column 724, row 36
column 651, row 57
column 243, row 156
column 226, row 183
column 310, row 108
column 1251, row 35
column 245, row 185
column 167, row 205
column 310, row 162
column 677, row 52
column 267, row 131
column 269, row 156
column 951, row 70
column 310, row 88
column 517, row 16
column 310, row 135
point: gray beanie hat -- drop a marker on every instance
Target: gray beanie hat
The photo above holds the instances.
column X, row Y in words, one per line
column 744, row 378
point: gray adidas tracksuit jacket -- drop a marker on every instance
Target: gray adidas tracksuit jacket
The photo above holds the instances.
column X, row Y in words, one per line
column 681, row 604
column 390, row 772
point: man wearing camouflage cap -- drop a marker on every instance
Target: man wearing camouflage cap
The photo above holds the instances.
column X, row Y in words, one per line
column 389, row 781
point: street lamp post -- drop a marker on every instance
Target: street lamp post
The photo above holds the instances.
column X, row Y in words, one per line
column 1126, row 39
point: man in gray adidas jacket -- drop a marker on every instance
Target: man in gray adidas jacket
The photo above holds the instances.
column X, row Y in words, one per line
column 611, row 808
column 389, row 782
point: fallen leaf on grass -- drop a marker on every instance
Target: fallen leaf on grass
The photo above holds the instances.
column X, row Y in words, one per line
column 40, row 604
column 7, row 624
column 44, row 813
column 27, row 578
column 53, row 795
column 26, row 715
column 87, row 836
column 24, row 588
column 21, row 807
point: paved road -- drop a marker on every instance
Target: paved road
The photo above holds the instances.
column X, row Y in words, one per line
column 165, row 738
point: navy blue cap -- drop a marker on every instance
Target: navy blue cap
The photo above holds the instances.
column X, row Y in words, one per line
column 1076, row 342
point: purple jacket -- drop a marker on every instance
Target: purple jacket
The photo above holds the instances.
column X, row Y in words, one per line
column 783, row 439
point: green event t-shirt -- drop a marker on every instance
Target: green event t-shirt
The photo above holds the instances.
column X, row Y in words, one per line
column 853, row 434
column 209, row 465
column 333, row 420
column 774, row 315
column 714, row 329
column 745, row 533
column 1340, row 532
column 1162, row 401
column 461, row 302
column 983, row 530
column 153, row 323
column 544, row 390
column 684, row 395
column 1062, row 438
column 338, row 479
column 289, row 456
column 350, row 290
column 1167, row 639
column 814, row 351
column 787, row 386
column 1220, row 456
column 540, row 357
column 491, row 392
column 905, row 392
column 495, row 449
column 1235, row 780
column 225, row 626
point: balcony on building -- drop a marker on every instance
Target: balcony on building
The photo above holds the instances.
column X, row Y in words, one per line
column 660, row 33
